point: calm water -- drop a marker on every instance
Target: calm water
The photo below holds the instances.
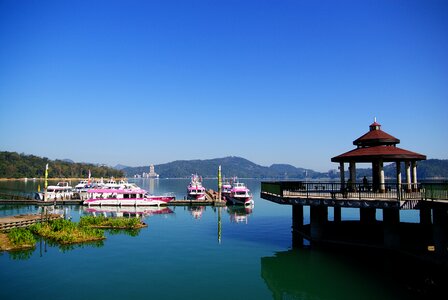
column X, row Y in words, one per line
column 202, row 253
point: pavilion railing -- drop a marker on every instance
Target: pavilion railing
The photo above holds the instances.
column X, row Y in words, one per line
column 335, row 190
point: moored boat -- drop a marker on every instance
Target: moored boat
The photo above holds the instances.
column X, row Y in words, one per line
column 195, row 190
column 240, row 194
column 133, row 196
column 61, row 191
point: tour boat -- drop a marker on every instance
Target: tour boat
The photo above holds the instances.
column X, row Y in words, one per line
column 195, row 190
column 115, row 211
column 124, row 197
column 240, row 194
column 226, row 187
column 61, row 191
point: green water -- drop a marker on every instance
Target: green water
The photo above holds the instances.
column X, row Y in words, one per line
column 201, row 253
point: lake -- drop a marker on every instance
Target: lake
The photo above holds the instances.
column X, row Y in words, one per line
column 200, row 253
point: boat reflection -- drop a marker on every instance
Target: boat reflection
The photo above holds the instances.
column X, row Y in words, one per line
column 196, row 211
column 238, row 213
column 131, row 211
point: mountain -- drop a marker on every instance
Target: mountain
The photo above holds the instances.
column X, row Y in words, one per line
column 243, row 168
column 120, row 167
column 231, row 166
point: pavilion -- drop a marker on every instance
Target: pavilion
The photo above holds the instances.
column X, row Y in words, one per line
column 378, row 147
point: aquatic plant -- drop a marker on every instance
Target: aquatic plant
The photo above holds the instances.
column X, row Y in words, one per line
column 21, row 237
column 66, row 232
column 104, row 222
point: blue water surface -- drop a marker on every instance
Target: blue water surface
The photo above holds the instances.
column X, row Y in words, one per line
column 188, row 253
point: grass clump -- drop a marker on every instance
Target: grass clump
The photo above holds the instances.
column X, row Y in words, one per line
column 66, row 232
column 21, row 237
column 113, row 223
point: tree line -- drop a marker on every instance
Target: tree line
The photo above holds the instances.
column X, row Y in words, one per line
column 15, row 165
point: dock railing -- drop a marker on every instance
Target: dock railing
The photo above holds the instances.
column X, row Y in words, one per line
column 336, row 190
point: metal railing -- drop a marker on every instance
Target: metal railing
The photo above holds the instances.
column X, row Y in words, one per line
column 335, row 190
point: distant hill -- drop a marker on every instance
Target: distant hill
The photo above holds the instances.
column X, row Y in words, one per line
column 14, row 165
column 231, row 166
column 243, row 168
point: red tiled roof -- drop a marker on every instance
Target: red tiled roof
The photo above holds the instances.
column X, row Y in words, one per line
column 376, row 137
column 386, row 153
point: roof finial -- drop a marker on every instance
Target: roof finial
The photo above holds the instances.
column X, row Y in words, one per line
column 374, row 119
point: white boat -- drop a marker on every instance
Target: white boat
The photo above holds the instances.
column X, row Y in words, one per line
column 61, row 191
column 195, row 190
column 226, row 187
column 116, row 211
column 133, row 196
column 240, row 194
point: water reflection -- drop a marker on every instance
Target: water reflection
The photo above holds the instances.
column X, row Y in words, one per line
column 196, row 211
column 312, row 274
column 239, row 214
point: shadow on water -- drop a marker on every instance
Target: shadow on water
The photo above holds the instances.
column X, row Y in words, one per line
column 339, row 274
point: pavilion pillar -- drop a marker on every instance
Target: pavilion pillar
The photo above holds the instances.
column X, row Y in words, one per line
column 342, row 174
column 337, row 213
column 408, row 175
column 318, row 219
column 398, row 177
column 352, row 169
column 297, row 226
column 381, row 176
column 367, row 215
column 375, row 176
column 440, row 230
column 414, row 176
column 391, row 227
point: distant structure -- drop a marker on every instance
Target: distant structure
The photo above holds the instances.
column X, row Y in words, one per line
column 151, row 174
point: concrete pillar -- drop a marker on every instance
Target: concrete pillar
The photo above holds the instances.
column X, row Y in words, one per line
column 398, row 169
column 408, row 176
column 381, row 176
column 425, row 214
column 318, row 219
column 352, row 175
column 367, row 215
column 297, row 226
column 391, row 227
column 440, row 230
column 342, row 174
column 337, row 214
column 414, row 176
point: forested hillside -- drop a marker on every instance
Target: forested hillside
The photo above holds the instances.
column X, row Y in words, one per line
column 15, row 165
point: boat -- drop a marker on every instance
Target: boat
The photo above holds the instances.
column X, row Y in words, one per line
column 61, row 191
column 127, row 196
column 225, row 189
column 195, row 190
column 240, row 194
column 115, row 211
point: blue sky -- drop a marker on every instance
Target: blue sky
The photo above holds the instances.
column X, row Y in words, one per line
column 140, row 82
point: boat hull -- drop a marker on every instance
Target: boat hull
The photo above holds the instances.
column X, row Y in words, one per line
column 128, row 202
column 246, row 201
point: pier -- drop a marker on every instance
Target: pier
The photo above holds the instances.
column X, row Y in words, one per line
column 378, row 202
column 7, row 223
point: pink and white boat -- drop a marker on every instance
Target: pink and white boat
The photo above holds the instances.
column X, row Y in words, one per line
column 124, row 197
column 195, row 190
column 226, row 187
column 240, row 194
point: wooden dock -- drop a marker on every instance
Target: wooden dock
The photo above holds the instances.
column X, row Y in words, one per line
column 7, row 223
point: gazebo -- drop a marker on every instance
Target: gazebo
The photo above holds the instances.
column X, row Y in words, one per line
column 378, row 147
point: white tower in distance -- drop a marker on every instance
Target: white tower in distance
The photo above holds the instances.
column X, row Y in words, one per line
column 152, row 173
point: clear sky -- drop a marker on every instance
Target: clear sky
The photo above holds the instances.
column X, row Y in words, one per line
column 279, row 81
